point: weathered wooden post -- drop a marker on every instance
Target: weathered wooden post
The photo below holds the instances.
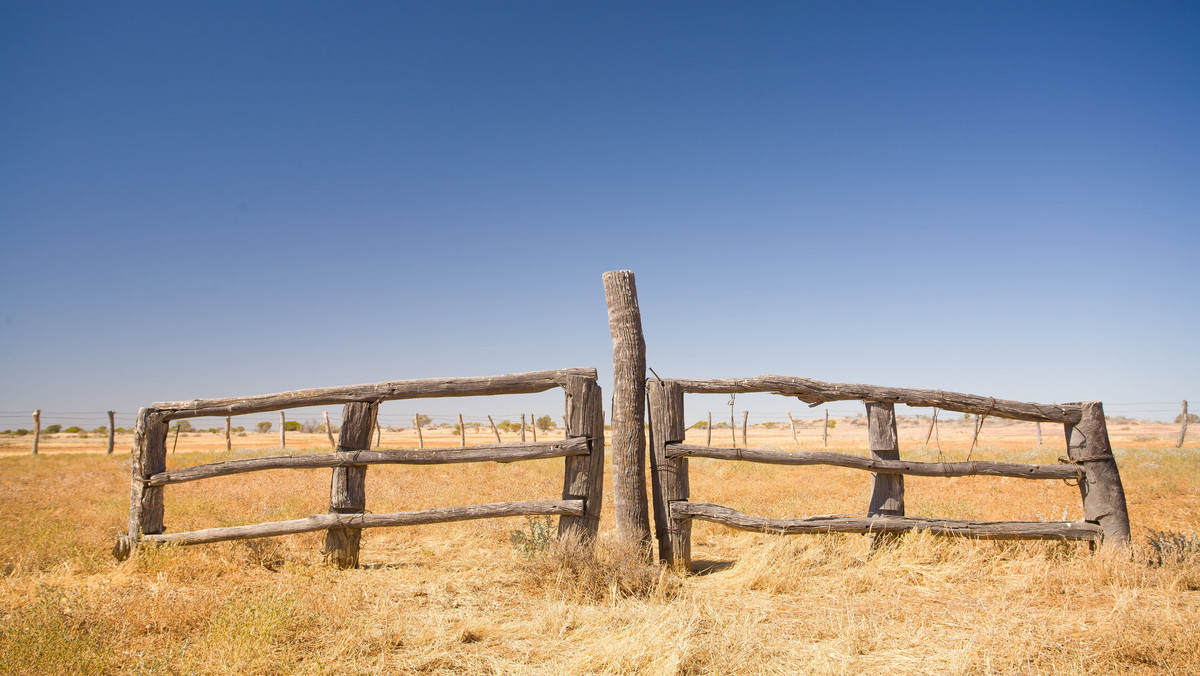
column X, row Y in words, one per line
column 329, row 430
column 669, row 476
column 1182, row 425
column 1039, row 433
column 494, row 430
column 745, row 422
column 533, row 425
column 37, row 429
column 420, row 438
column 628, row 407
column 462, row 431
column 228, row 434
column 887, row 490
column 583, row 475
column 522, row 428
column 708, row 440
column 379, row 433
column 825, row 430
column 347, row 492
column 112, row 430
column 793, row 424
column 145, row 501
column 282, row 432
column 1103, row 494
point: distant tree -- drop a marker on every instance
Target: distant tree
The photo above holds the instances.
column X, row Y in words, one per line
column 22, row 432
column 73, row 429
column 53, row 429
column 184, row 426
column 292, row 426
column 545, row 423
column 264, row 426
column 702, row 425
column 103, row 429
column 424, row 420
column 1192, row 418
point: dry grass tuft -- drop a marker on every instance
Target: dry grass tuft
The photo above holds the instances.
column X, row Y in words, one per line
column 608, row 571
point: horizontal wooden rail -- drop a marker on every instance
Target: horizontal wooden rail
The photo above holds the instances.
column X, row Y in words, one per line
column 816, row 392
column 983, row 530
column 327, row 521
column 485, row 453
column 938, row 469
column 512, row 383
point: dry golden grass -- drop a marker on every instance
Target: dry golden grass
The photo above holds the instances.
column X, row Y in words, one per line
column 461, row 598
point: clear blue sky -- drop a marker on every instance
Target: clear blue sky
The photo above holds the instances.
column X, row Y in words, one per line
column 215, row 199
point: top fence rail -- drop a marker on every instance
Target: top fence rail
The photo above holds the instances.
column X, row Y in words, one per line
column 513, row 383
column 816, row 392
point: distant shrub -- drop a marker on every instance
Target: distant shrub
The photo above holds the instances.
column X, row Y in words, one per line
column 702, row 425
column 21, row 432
column 546, row 423
column 832, row 424
column 292, row 426
column 73, row 429
column 1192, row 418
column 264, row 426
column 424, row 420
column 769, row 425
column 53, row 429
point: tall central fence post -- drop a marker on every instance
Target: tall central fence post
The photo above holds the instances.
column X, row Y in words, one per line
column 583, row 478
column 347, row 491
column 1103, row 494
column 669, row 476
column 628, row 407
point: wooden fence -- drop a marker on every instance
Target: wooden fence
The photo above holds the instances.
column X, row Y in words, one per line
column 1089, row 461
column 582, row 448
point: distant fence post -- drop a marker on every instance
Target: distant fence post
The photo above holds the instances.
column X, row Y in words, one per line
column 462, row 432
column 745, row 422
column 522, row 428
column 347, row 493
column 628, row 406
column 533, row 425
column 1039, row 432
column 329, row 430
column 282, row 431
column 708, row 440
column 421, row 438
column 669, row 476
column 825, row 430
column 228, row 433
column 494, row 430
column 1103, row 494
column 792, row 422
column 37, row 429
column 583, row 476
column 112, row 431
column 1182, row 425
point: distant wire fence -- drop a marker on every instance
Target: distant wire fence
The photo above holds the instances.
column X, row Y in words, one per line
column 112, row 423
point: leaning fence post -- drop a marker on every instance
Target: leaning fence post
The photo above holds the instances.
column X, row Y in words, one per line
column 887, row 490
column 583, row 475
column 669, row 476
column 421, row 438
column 494, row 430
column 347, row 492
column 329, row 430
column 462, row 432
column 628, row 406
column 792, row 422
column 1182, row 425
column 145, row 502
column 37, row 429
column 228, row 434
column 112, row 430
column 1103, row 495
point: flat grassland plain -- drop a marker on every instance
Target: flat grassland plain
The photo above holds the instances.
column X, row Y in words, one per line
column 469, row 598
